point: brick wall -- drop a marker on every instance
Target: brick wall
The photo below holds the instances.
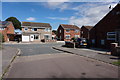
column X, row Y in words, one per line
column 108, row 24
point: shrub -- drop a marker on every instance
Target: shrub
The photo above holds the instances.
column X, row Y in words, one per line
column 1, row 38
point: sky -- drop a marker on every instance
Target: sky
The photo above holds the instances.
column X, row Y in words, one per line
column 56, row 13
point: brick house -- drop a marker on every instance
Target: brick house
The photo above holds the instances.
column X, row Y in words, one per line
column 67, row 32
column 53, row 36
column 7, row 29
column 85, row 31
column 104, row 32
column 118, row 35
column 32, row 31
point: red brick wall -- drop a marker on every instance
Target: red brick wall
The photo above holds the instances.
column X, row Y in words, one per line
column 108, row 24
column 8, row 30
column 71, row 33
column 63, row 33
column 60, row 34
column 84, row 33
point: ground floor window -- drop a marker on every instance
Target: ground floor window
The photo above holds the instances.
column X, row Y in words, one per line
column 93, row 41
column 111, row 35
column 67, row 36
column 47, row 36
column 76, row 36
column 102, row 42
column 36, row 36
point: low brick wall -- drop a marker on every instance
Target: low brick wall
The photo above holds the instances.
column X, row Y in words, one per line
column 50, row 40
column 115, row 49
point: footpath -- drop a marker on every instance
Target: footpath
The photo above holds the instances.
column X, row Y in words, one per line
column 94, row 53
column 8, row 54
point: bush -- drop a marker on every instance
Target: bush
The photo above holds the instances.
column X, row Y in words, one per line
column 1, row 38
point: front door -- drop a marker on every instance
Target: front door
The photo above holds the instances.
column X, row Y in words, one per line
column 31, row 37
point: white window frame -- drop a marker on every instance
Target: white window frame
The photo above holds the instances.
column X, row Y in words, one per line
column 76, row 36
column 66, row 36
column 76, row 31
column 111, row 34
column 33, row 29
column 67, row 31
column 25, row 29
column 47, row 29
column 47, row 35
column 2, row 28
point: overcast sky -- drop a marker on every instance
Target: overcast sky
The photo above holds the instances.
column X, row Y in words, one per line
column 55, row 13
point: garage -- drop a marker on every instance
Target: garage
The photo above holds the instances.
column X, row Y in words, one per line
column 25, row 38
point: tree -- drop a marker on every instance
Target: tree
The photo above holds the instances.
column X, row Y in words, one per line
column 54, row 31
column 15, row 21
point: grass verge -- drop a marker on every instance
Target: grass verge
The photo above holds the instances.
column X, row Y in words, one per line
column 117, row 63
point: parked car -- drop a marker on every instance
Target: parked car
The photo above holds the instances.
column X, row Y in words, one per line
column 82, row 42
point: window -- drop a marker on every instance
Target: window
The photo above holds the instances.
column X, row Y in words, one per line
column 60, row 38
column 76, row 36
column 2, row 28
column 102, row 42
column 67, row 30
column 60, row 31
column 47, row 36
column 76, row 31
column 47, row 29
column 67, row 36
column 111, row 35
column 36, row 36
column 25, row 29
column 93, row 41
column 34, row 29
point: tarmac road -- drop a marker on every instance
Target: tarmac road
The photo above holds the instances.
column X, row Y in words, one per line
column 35, row 49
column 41, row 61
column 63, row 65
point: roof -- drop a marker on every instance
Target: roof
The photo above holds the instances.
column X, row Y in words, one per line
column 66, row 26
column 4, row 23
column 88, row 27
column 35, row 24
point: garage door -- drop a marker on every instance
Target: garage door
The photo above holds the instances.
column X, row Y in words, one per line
column 25, row 38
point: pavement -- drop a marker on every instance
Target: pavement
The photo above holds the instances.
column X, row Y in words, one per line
column 7, row 56
column 62, row 65
column 94, row 53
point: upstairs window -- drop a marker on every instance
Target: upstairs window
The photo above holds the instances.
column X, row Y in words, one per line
column 76, row 31
column 60, row 31
column 25, row 29
column 34, row 29
column 111, row 35
column 67, row 30
column 47, row 29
